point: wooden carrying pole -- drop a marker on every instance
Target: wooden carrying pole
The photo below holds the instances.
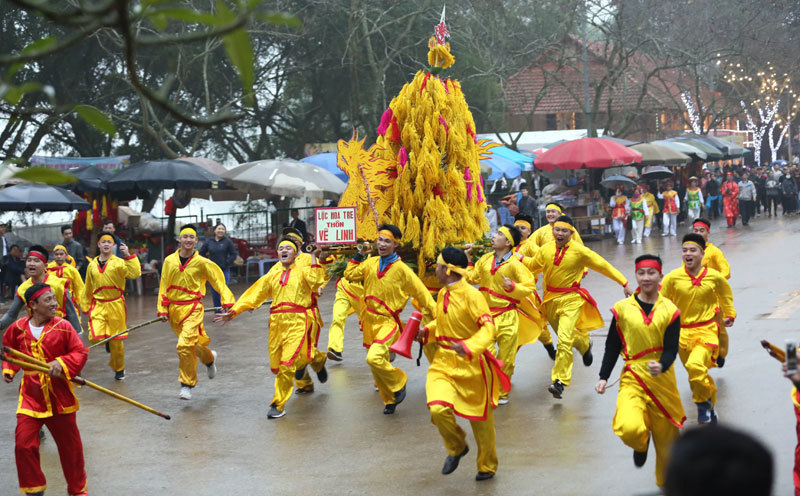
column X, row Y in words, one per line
column 137, row 326
column 31, row 363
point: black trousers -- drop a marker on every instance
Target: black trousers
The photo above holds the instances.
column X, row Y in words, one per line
column 747, row 210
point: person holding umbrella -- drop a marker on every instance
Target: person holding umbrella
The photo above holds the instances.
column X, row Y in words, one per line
column 652, row 208
column 672, row 205
column 639, row 212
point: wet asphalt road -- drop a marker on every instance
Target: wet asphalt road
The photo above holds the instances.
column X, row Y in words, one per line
column 337, row 441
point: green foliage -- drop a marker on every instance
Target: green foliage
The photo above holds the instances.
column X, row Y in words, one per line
column 45, row 175
column 96, row 118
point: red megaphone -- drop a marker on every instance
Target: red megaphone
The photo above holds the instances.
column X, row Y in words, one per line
column 403, row 345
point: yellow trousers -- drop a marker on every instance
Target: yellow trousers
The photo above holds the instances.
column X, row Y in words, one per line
column 455, row 438
column 563, row 314
column 723, row 337
column 187, row 324
column 388, row 379
column 286, row 356
column 317, row 362
column 545, row 337
column 506, row 336
column 697, row 361
column 343, row 306
column 637, row 418
column 117, row 348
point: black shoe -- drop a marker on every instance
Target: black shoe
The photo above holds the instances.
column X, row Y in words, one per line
column 335, row 356
column 639, row 457
column 484, row 476
column 119, row 375
column 556, row 389
column 389, row 409
column 720, row 362
column 392, row 356
column 588, row 358
column 108, row 347
column 451, row 462
column 304, row 391
column 551, row 351
column 299, row 373
column 41, row 435
column 275, row 413
column 399, row 396
column 322, row 375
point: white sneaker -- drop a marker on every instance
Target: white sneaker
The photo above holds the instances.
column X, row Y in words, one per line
column 186, row 393
column 212, row 369
column 503, row 401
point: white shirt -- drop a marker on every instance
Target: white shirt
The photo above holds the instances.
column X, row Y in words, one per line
column 36, row 331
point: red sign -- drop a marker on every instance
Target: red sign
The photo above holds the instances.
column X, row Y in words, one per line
column 335, row 225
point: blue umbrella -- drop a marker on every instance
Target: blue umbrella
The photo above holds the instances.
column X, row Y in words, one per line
column 502, row 166
column 326, row 161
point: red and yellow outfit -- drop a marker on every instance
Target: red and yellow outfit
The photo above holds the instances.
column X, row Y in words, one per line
column 348, row 301
column 291, row 320
column 467, row 386
column 619, row 204
column 180, row 298
column 570, row 309
column 645, row 404
column 71, row 274
column 652, row 209
column 544, row 235
column 104, row 292
column 385, row 295
column 46, row 401
column 715, row 259
column 697, row 298
column 59, row 287
column 490, row 275
column 532, row 322
column 670, row 205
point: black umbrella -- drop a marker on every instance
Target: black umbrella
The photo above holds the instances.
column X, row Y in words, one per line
column 32, row 196
column 657, row 172
column 144, row 177
column 91, row 179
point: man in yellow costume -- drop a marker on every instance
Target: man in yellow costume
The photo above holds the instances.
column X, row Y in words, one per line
column 388, row 282
column 63, row 266
column 104, row 293
column 544, row 234
column 291, row 318
column 36, row 269
column 570, row 309
column 347, row 302
column 461, row 380
column 180, row 301
column 532, row 324
column 652, row 209
column 715, row 259
column 697, row 291
column 504, row 283
column 645, row 331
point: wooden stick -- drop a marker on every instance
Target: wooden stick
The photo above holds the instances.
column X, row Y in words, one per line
column 31, row 363
column 137, row 326
column 775, row 352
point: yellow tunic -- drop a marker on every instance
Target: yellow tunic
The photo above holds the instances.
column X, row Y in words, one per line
column 652, row 208
column 468, row 384
column 544, row 235
column 71, row 274
column 104, row 292
column 59, row 287
column 714, row 259
column 532, row 322
column 645, row 404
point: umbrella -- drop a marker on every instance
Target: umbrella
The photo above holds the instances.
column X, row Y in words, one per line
column 91, row 179
column 626, row 170
column 32, row 196
column 143, row 177
column 285, row 177
column 620, row 141
column 586, row 153
column 328, row 162
column 657, row 172
column 682, row 147
column 731, row 150
column 614, row 181
column 502, row 167
column 712, row 152
column 657, row 154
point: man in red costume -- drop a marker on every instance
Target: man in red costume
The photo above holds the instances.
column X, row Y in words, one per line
column 46, row 399
column 730, row 200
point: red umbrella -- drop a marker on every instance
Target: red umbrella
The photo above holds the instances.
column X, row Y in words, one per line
column 586, row 153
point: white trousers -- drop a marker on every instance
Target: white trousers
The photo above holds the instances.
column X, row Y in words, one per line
column 637, row 228
column 670, row 224
column 619, row 229
column 693, row 214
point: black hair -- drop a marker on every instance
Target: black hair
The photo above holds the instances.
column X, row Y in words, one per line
column 291, row 230
column 107, row 221
column 65, row 227
column 648, row 256
column 33, row 289
column 515, row 234
column 455, row 256
column 567, row 219
column 396, row 232
column 740, row 464
column 12, row 247
column 704, row 221
column 694, row 238
column 525, row 218
column 40, row 249
column 291, row 240
column 189, row 226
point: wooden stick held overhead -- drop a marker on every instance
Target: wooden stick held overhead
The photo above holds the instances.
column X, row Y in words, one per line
column 31, row 363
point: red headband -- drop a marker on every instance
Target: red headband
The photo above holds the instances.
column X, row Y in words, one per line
column 700, row 222
column 38, row 294
column 38, row 255
column 649, row 262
